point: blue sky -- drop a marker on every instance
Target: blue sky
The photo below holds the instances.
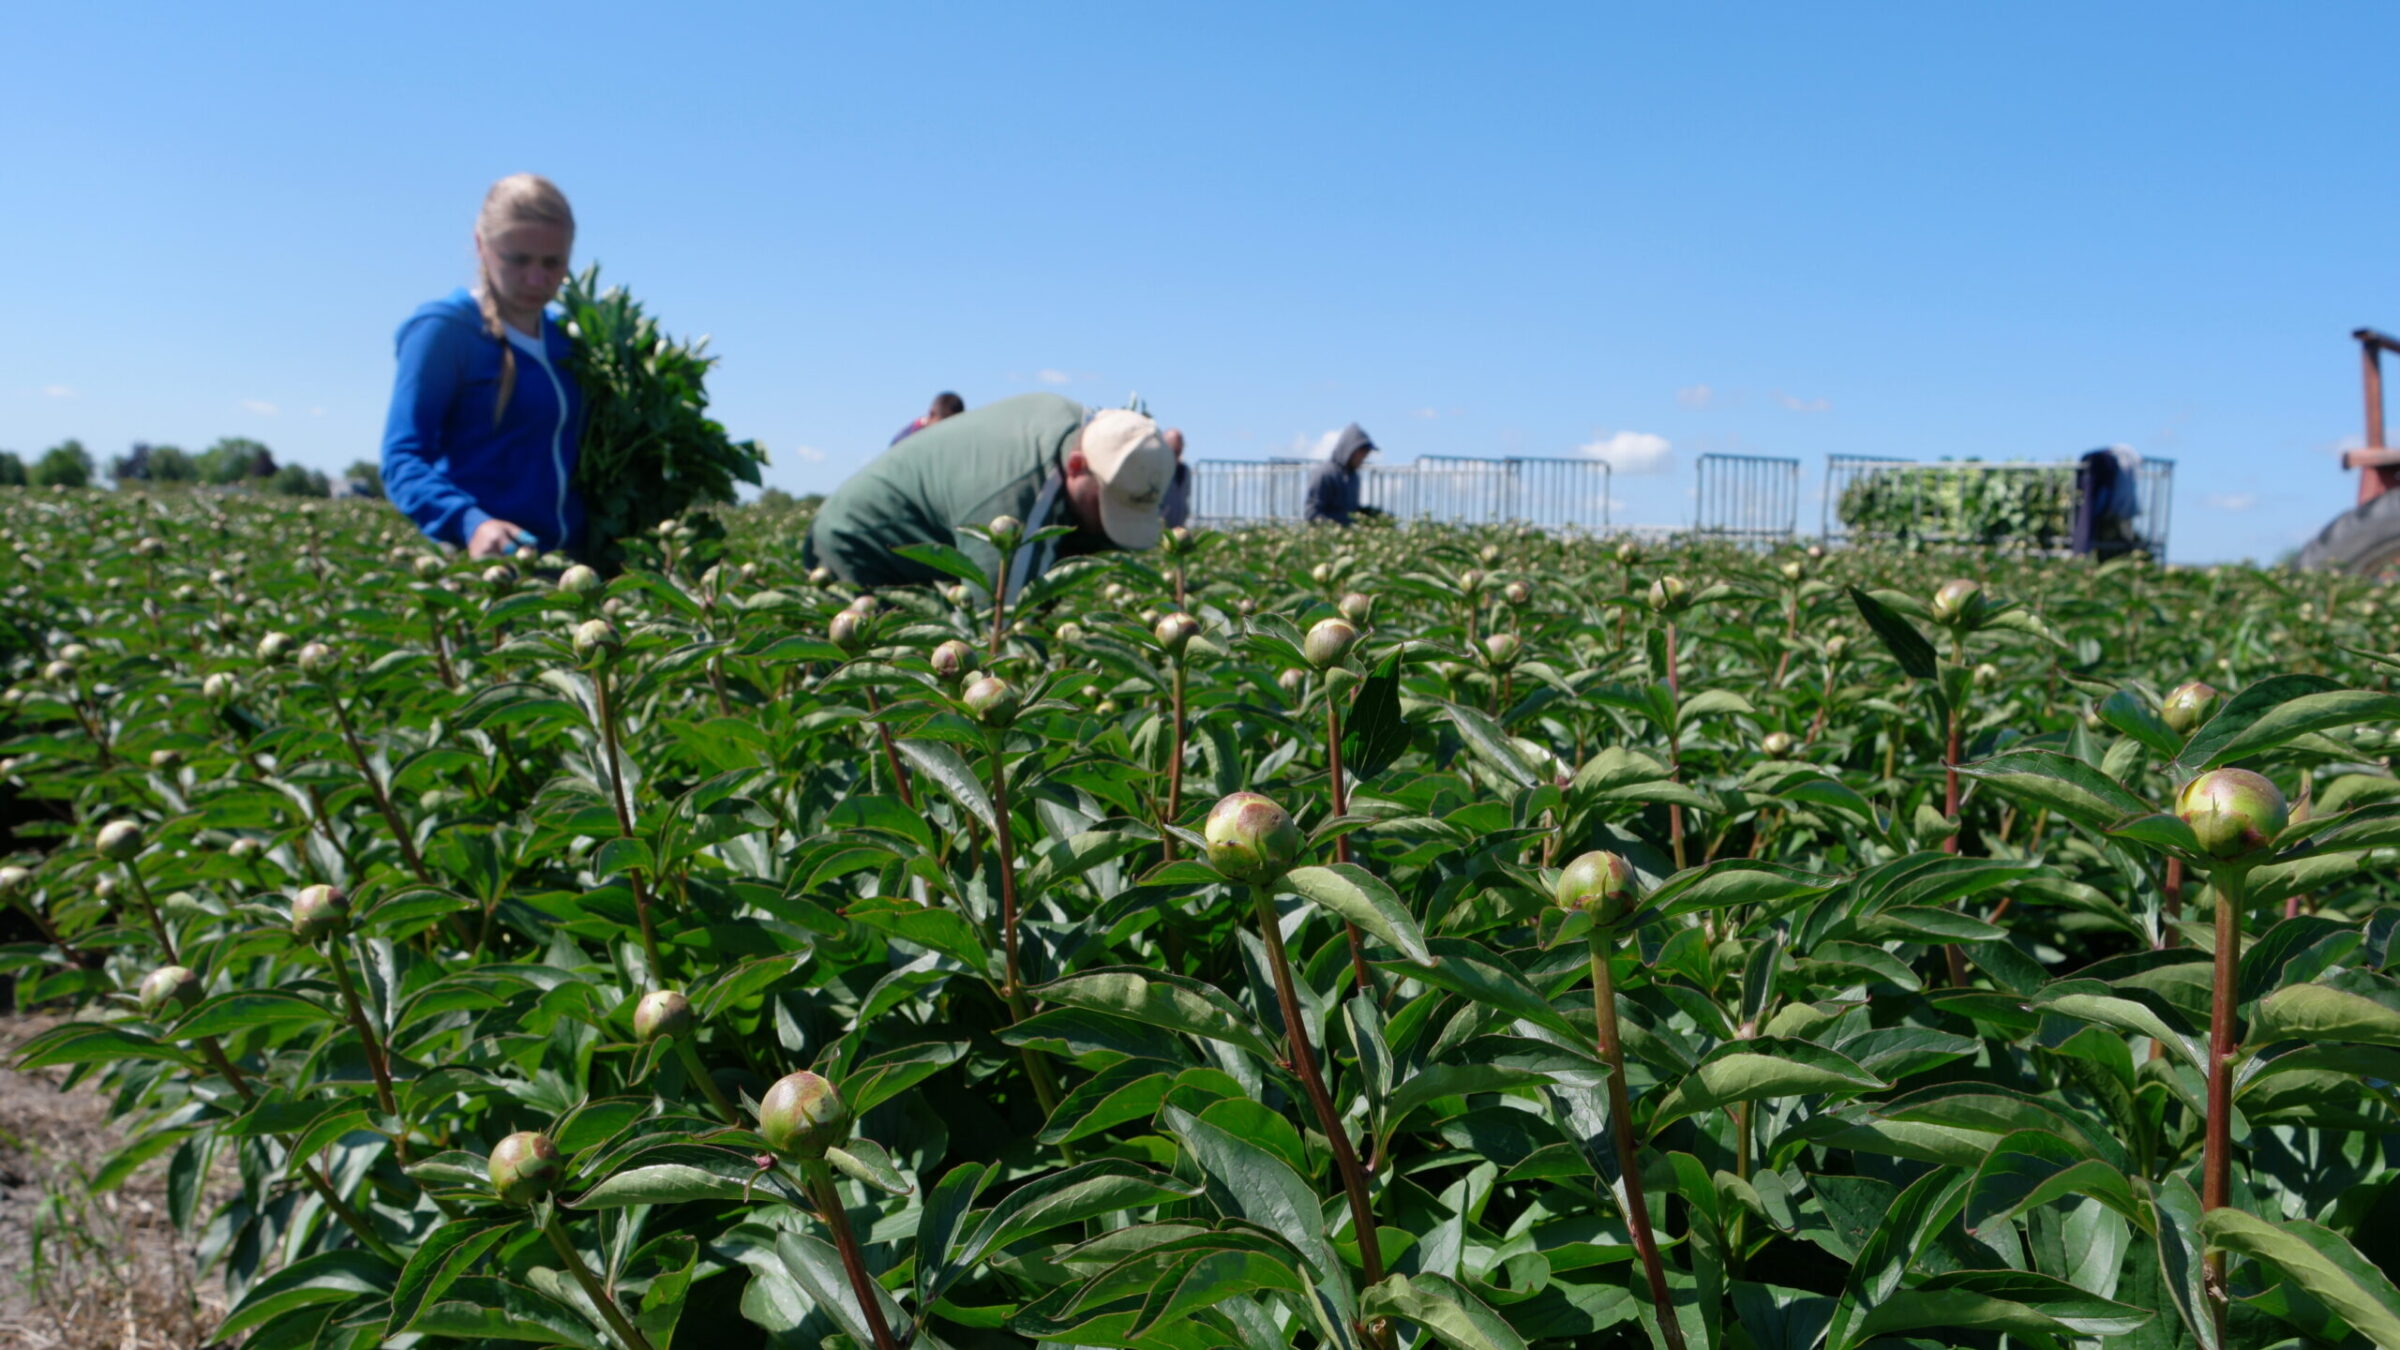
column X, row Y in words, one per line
column 1999, row 231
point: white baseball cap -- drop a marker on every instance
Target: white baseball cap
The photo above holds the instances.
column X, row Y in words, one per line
column 1135, row 467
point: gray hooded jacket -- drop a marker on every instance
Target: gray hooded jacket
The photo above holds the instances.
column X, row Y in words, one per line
column 1333, row 493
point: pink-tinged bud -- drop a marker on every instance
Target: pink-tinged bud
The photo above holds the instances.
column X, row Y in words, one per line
column 1500, row 650
column 1175, row 632
column 1517, row 594
column 848, row 631
column 1470, row 582
column 1357, row 608
column 2190, row 705
column 1251, row 839
column 951, row 661
column 580, row 580
column 119, row 841
column 2233, row 812
column 992, row 700
column 662, row 1012
column 1292, row 681
column 525, row 1167
column 1598, row 883
column 320, row 912
column 1669, row 595
column 1328, row 643
column 1005, row 531
column 802, row 1116
column 596, row 637
column 1957, row 601
column 169, row 990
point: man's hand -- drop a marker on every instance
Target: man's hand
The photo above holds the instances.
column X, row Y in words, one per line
column 495, row 538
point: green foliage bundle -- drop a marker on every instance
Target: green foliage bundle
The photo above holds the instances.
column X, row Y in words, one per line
column 649, row 451
column 1310, row 939
column 2016, row 507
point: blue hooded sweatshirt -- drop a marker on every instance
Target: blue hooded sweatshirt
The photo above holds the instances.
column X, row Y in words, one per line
column 447, row 464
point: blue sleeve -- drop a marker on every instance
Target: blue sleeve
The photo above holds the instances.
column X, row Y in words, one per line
column 415, row 475
column 1317, row 507
column 1176, row 507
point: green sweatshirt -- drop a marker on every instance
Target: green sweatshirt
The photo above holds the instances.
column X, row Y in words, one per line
column 963, row 470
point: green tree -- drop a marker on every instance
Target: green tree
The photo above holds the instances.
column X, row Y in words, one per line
column 365, row 479
column 153, row 464
column 296, row 480
column 66, row 464
column 12, row 469
column 234, row 460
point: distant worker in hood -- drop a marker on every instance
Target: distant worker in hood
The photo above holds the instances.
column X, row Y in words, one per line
column 1333, row 493
column 945, row 404
column 1038, row 457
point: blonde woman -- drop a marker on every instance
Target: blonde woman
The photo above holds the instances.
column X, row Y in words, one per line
column 479, row 448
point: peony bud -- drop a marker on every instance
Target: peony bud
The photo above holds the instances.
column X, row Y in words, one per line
column 1669, row 595
column 1175, row 632
column 273, row 648
column 1470, row 582
column 951, row 659
column 2234, row 812
column 219, row 688
column 596, row 637
column 1292, row 681
column 1322, row 574
column 1358, row 609
column 1777, row 744
column 316, row 658
column 1629, row 553
column 820, row 576
column 1328, row 643
column 1793, row 571
column 1957, row 601
column 1986, row 674
column 1500, row 650
column 802, row 1116
column 428, row 566
column 580, row 580
column 1251, row 839
column 119, row 841
column 992, row 700
column 662, row 1012
column 1005, row 531
column 1517, row 594
column 169, row 988
column 320, row 912
column 14, row 880
column 500, row 577
column 525, row 1166
column 1598, row 883
column 848, row 631
column 2190, row 705
column 166, row 761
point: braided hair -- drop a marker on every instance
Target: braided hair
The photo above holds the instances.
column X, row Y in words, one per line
column 519, row 199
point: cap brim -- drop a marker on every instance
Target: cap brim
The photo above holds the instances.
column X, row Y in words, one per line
column 1129, row 526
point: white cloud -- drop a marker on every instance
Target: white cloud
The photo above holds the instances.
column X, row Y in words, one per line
column 1305, row 446
column 260, row 406
column 1695, row 396
column 1426, row 414
column 1054, row 377
column 57, row 391
column 2230, row 501
column 1631, row 452
column 316, row 412
column 809, row 453
column 1803, row 405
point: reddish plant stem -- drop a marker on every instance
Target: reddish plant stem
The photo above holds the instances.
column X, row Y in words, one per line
column 1674, row 754
column 854, row 1265
column 1791, row 634
column 605, row 706
column 1620, row 1120
column 627, row 1333
column 158, row 923
column 2216, row 1172
column 2173, row 903
column 1174, row 752
column 1312, row 1081
column 891, row 753
column 1952, row 956
column 441, row 647
column 383, row 798
column 1045, row 1090
column 351, row 1219
column 1340, row 802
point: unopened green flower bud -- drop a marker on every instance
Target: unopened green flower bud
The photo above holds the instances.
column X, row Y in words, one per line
column 1986, row 673
column 316, row 658
column 1175, row 632
column 2233, row 812
column 596, row 637
column 1292, row 681
column 119, row 841
column 169, row 989
column 1500, row 650
column 1070, row 634
column 1598, row 883
column 956, row 593
column 1470, row 582
column 525, row 1167
column 1005, row 531
column 1328, row 643
column 243, row 849
column 59, row 672
column 1835, row 646
column 848, row 631
column 951, row 660
column 1251, row 839
column 1957, row 601
column 2190, row 705
column 219, row 688
column 500, row 577
column 14, row 880
column 1358, row 609
column 992, row 700
column 1176, row 542
column 820, row 576
column 149, row 546
column 320, row 912
column 1629, row 553
column 662, row 1012
column 1793, row 570
column 1517, row 594
column 802, row 1116
column 1322, row 574
column 273, row 648
column 1777, row 744
column 580, row 580
column 166, row 760
column 428, row 566
column 1669, row 595
column 76, row 652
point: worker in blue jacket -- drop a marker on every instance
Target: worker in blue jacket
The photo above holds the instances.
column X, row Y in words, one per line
column 480, row 446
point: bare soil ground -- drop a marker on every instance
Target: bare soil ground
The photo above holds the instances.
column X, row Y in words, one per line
column 79, row 1270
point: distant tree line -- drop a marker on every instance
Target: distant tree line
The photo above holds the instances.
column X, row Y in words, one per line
column 234, row 462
